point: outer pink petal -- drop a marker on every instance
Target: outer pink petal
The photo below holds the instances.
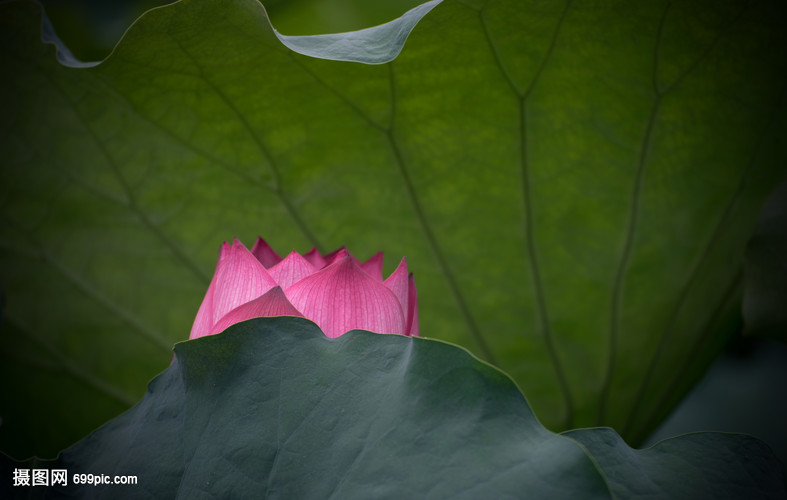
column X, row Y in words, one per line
column 412, row 328
column 315, row 258
column 204, row 320
column 239, row 279
column 264, row 253
column 343, row 297
column 397, row 282
column 292, row 269
column 374, row 266
column 272, row 303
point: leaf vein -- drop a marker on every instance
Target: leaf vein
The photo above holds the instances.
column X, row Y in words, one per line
column 625, row 257
column 718, row 231
column 176, row 250
column 527, row 208
column 645, row 152
column 431, row 239
column 278, row 189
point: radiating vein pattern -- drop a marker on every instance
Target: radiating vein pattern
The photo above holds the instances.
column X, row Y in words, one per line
column 659, row 94
column 522, row 97
column 721, row 226
column 573, row 184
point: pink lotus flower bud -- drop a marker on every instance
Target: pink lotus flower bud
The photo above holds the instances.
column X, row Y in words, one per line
column 335, row 290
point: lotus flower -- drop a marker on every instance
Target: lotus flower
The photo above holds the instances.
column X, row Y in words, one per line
column 335, row 290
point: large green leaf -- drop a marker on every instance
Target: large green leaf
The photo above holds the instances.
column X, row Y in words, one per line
column 273, row 408
column 572, row 184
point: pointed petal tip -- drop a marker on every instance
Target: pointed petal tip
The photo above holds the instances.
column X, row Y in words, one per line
column 398, row 283
column 224, row 249
column 265, row 253
column 239, row 279
column 374, row 266
column 316, row 259
column 337, row 255
column 291, row 269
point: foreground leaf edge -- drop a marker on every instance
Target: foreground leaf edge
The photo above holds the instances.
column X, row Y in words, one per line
column 374, row 45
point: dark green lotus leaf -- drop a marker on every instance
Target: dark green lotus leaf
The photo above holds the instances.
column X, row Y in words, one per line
column 573, row 185
column 700, row 465
column 273, row 408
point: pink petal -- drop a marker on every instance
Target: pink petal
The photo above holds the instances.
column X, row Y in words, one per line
column 272, row 303
column 239, row 279
column 397, row 282
column 292, row 269
column 264, row 253
column 337, row 255
column 204, row 320
column 412, row 309
column 374, row 266
column 343, row 297
column 315, row 258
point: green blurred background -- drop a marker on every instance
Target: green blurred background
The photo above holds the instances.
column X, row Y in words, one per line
column 744, row 389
